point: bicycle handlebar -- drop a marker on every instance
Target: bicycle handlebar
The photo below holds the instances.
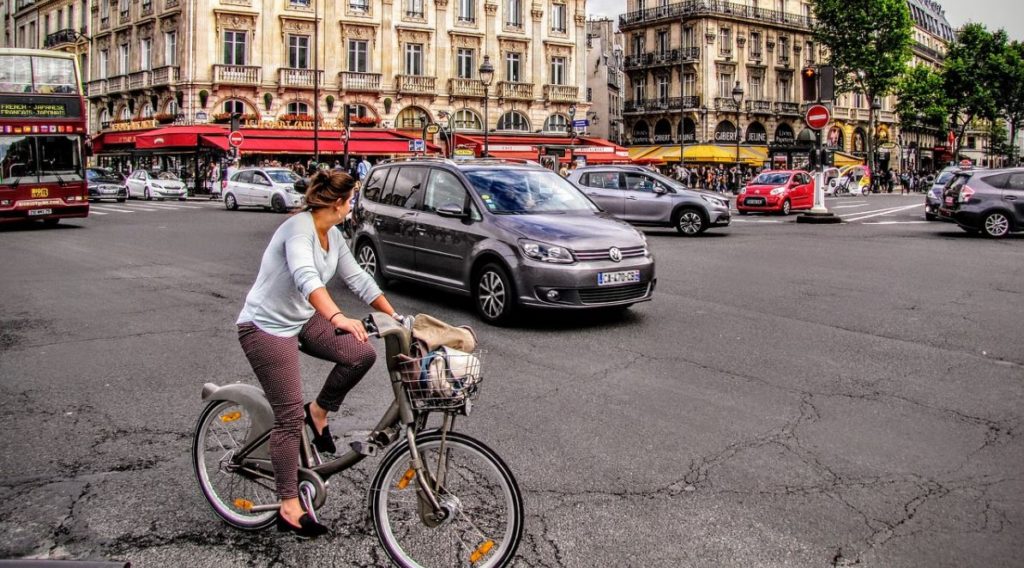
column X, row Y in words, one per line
column 368, row 323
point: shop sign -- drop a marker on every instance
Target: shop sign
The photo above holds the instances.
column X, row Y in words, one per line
column 755, row 137
column 274, row 124
column 595, row 149
column 725, row 136
column 133, row 125
column 509, row 148
column 463, row 153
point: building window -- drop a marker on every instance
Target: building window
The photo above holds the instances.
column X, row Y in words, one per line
column 412, row 118
column 104, row 118
column 146, row 54
column 298, row 51
column 466, row 119
column 170, row 48
column 467, row 11
column 298, row 108
column 785, row 93
column 413, row 59
column 172, row 107
column 514, row 13
column 557, row 70
column 104, row 63
column 590, row 95
column 358, row 57
column 662, row 41
column 414, row 8
column 304, row 3
column 756, row 86
column 639, row 91
column 234, row 47
column 104, row 10
column 755, row 45
column 556, row 123
column 783, row 50
column 513, row 67
column 558, row 12
column 464, row 65
column 514, row 120
column 809, row 53
column 234, row 106
column 688, row 37
column 725, row 47
column 725, row 85
column 689, row 84
column 663, row 88
column 359, row 6
column 147, row 111
column 122, row 59
column 638, row 44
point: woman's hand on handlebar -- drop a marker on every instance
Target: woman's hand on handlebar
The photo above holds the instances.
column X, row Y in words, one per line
column 353, row 326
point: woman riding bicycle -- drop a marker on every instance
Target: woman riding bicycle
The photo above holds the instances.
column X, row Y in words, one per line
column 290, row 300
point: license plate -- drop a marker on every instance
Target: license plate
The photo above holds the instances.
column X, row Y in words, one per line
column 754, row 201
column 949, row 200
column 623, row 277
column 109, row 190
column 37, row 212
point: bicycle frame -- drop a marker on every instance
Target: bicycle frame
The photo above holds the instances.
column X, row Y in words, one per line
column 397, row 340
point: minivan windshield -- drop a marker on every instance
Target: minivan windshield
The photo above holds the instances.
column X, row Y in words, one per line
column 523, row 192
column 771, row 179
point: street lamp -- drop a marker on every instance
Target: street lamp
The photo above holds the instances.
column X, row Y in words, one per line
column 876, row 105
column 737, row 97
column 917, row 141
column 486, row 76
column 704, row 119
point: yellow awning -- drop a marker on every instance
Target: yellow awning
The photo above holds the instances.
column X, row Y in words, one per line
column 639, row 152
column 842, row 160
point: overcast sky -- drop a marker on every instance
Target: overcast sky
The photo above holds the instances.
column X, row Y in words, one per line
column 1007, row 14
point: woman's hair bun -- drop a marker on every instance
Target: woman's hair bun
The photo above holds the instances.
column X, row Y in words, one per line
column 326, row 187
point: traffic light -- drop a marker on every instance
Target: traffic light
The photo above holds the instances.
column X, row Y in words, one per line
column 826, row 83
column 809, row 80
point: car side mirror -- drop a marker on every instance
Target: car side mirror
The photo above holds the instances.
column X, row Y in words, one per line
column 452, row 212
column 660, row 189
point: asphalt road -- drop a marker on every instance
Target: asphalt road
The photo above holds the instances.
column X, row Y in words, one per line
column 795, row 395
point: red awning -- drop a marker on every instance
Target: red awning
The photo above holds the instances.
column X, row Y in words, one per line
column 596, row 150
column 380, row 143
column 186, row 137
column 113, row 141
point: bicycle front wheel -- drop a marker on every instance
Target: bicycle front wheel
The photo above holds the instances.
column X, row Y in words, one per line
column 486, row 520
column 236, row 497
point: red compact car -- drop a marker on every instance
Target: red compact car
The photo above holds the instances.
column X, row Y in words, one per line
column 778, row 192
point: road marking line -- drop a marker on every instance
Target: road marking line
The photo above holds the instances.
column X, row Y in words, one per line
column 112, row 208
column 140, row 207
column 167, row 206
column 898, row 223
column 849, row 206
column 756, row 221
column 882, row 212
column 92, row 211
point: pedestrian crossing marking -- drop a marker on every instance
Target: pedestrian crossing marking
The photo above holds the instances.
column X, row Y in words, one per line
column 861, row 215
column 850, row 206
column 111, row 208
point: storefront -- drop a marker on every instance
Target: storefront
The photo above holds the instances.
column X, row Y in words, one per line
column 547, row 150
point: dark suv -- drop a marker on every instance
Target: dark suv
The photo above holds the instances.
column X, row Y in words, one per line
column 644, row 197
column 986, row 201
column 508, row 234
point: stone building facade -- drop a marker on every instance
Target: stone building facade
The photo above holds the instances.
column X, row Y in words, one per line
column 402, row 63
column 48, row 24
column 605, row 80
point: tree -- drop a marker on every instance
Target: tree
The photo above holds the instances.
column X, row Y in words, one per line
column 921, row 101
column 868, row 43
column 1011, row 96
column 971, row 77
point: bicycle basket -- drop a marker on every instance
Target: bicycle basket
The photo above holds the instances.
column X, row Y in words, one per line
column 442, row 379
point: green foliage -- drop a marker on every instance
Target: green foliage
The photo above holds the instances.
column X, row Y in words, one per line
column 921, row 100
column 972, row 75
column 868, row 42
column 1011, row 100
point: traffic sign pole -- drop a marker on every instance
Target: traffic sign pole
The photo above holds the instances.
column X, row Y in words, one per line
column 817, row 118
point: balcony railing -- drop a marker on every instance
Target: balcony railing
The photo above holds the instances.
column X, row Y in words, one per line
column 561, row 93
column 725, row 52
column 759, row 106
column 662, row 105
column 294, row 77
column 98, row 88
column 472, row 88
column 60, row 37
column 117, row 84
column 667, row 57
column 725, row 103
column 359, row 82
column 124, row 18
column 104, row 23
column 886, row 116
column 787, row 108
column 146, row 9
column 416, row 84
column 784, row 60
column 696, row 8
column 515, row 91
column 139, row 80
column 165, row 75
column 237, row 74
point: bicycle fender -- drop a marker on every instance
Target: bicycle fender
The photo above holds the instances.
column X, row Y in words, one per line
column 251, row 398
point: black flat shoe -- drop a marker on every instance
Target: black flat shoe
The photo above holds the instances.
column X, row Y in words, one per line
column 323, row 441
column 308, row 529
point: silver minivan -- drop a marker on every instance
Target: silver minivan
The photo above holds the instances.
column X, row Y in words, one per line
column 270, row 188
column 644, row 197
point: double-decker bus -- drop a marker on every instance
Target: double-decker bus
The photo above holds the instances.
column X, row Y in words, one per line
column 42, row 129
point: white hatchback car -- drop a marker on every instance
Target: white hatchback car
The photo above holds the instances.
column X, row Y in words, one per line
column 270, row 188
column 163, row 185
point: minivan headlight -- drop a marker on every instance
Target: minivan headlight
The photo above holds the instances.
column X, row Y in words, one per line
column 546, row 253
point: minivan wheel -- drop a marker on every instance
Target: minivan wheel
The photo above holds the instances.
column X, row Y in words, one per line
column 230, row 203
column 277, row 204
column 996, row 225
column 690, row 222
column 493, row 295
column 366, row 257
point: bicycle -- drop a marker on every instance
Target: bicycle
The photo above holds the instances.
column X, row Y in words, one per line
column 438, row 498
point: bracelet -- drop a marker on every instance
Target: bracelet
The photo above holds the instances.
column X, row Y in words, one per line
column 331, row 319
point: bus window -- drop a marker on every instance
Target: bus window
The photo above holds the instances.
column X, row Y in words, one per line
column 15, row 74
column 52, row 75
column 58, row 159
column 17, row 159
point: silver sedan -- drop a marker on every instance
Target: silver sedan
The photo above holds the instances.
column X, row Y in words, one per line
column 164, row 185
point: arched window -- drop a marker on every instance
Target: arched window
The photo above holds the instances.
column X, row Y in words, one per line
column 725, row 132
column 172, row 107
column 641, row 132
column 513, row 120
column 556, row 123
column 234, row 106
column 466, row 119
column 784, row 134
column 411, row 118
column 688, row 128
column 663, row 131
column 298, row 108
column 147, row 111
column 104, row 116
column 756, row 134
column 126, row 113
column 362, row 116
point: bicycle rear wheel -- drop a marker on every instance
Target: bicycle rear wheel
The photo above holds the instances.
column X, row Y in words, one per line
column 221, row 431
column 487, row 521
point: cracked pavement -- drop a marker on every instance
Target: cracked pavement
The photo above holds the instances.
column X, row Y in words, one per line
column 794, row 396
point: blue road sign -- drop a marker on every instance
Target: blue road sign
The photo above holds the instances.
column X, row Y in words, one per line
column 417, row 145
column 583, row 123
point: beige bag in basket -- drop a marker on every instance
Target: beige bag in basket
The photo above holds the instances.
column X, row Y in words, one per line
column 434, row 333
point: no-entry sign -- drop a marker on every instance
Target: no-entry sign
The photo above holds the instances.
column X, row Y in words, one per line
column 235, row 139
column 817, row 117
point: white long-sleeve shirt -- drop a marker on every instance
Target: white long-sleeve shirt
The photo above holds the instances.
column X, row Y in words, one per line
column 293, row 266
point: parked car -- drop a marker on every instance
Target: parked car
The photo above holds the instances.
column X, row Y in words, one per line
column 163, row 185
column 507, row 234
column 642, row 197
column 933, row 199
column 105, row 184
column 778, row 191
column 270, row 188
column 987, row 201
